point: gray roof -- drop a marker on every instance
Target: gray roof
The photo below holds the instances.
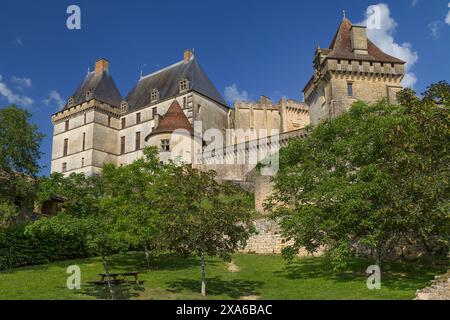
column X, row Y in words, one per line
column 101, row 87
column 166, row 81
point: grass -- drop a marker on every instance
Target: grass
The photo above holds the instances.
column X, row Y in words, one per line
column 259, row 276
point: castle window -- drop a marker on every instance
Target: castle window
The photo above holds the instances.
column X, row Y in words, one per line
column 109, row 121
column 165, row 145
column 138, row 118
column 184, row 83
column 184, row 102
column 84, row 118
column 123, row 106
column 67, row 125
column 66, row 147
column 82, row 162
column 88, row 95
column 70, row 102
column 154, row 95
column 350, row 89
column 154, row 112
column 122, row 145
column 123, row 123
column 64, row 167
column 84, row 140
column 138, row 141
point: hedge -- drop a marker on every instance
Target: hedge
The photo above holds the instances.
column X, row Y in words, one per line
column 18, row 248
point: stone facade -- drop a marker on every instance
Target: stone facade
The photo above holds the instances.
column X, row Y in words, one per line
column 352, row 69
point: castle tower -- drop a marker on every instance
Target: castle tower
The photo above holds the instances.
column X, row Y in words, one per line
column 352, row 68
column 85, row 130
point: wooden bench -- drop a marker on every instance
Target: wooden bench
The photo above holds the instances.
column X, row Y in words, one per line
column 118, row 278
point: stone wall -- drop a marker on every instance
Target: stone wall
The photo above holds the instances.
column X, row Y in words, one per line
column 268, row 239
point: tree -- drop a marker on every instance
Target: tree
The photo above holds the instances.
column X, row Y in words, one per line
column 371, row 178
column 132, row 195
column 19, row 155
column 203, row 217
column 81, row 193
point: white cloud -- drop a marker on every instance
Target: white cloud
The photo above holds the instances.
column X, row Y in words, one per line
column 447, row 19
column 20, row 100
column 233, row 94
column 54, row 99
column 434, row 28
column 21, row 82
column 384, row 39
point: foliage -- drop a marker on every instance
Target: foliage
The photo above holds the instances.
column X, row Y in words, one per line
column 19, row 155
column 203, row 217
column 371, row 178
column 20, row 247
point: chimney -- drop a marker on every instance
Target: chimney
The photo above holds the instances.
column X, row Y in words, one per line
column 359, row 40
column 100, row 66
column 188, row 54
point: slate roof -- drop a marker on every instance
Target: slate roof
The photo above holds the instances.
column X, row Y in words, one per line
column 166, row 81
column 173, row 119
column 341, row 47
column 102, row 88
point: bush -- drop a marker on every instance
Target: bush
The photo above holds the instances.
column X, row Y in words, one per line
column 19, row 247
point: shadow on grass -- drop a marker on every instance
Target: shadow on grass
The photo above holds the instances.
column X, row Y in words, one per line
column 123, row 291
column 394, row 275
column 216, row 286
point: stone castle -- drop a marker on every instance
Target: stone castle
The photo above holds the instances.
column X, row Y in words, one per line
column 97, row 125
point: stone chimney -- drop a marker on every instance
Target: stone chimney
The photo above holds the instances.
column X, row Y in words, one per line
column 100, row 66
column 188, row 54
column 359, row 40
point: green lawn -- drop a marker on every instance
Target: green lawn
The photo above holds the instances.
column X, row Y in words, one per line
column 262, row 277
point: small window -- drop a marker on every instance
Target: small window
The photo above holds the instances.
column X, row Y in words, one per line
column 67, row 125
column 109, row 121
column 70, row 102
column 350, row 89
column 183, row 85
column 198, row 108
column 84, row 141
column 138, row 141
column 66, row 147
column 165, row 145
column 84, row 118
column 122, row 145
column 88, row 95
column 64, row 167
column 154, row 112
column 154, row 95
column 82, row 162
column 123, row 123
column 184, row 102
column 138, row 118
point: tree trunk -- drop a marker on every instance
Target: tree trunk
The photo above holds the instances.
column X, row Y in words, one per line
column 108, row 279
column 203, row 276
column 147, row 256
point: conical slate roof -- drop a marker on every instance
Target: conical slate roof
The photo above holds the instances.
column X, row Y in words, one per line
column 341, row 47
column 100, row 87
column 173, row 119
column 166, row 81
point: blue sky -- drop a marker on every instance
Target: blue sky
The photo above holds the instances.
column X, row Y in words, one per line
column 247, row 47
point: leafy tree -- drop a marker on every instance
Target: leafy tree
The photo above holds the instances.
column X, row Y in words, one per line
column 81, row 193
column 19, row 155
column 132, row 195
column 370, row 178
column 203, row 217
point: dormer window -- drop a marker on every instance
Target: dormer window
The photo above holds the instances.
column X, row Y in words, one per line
column 155, row 95
column 124, row 106
column 70, row 102
column 184, row 84
column 88, row 95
